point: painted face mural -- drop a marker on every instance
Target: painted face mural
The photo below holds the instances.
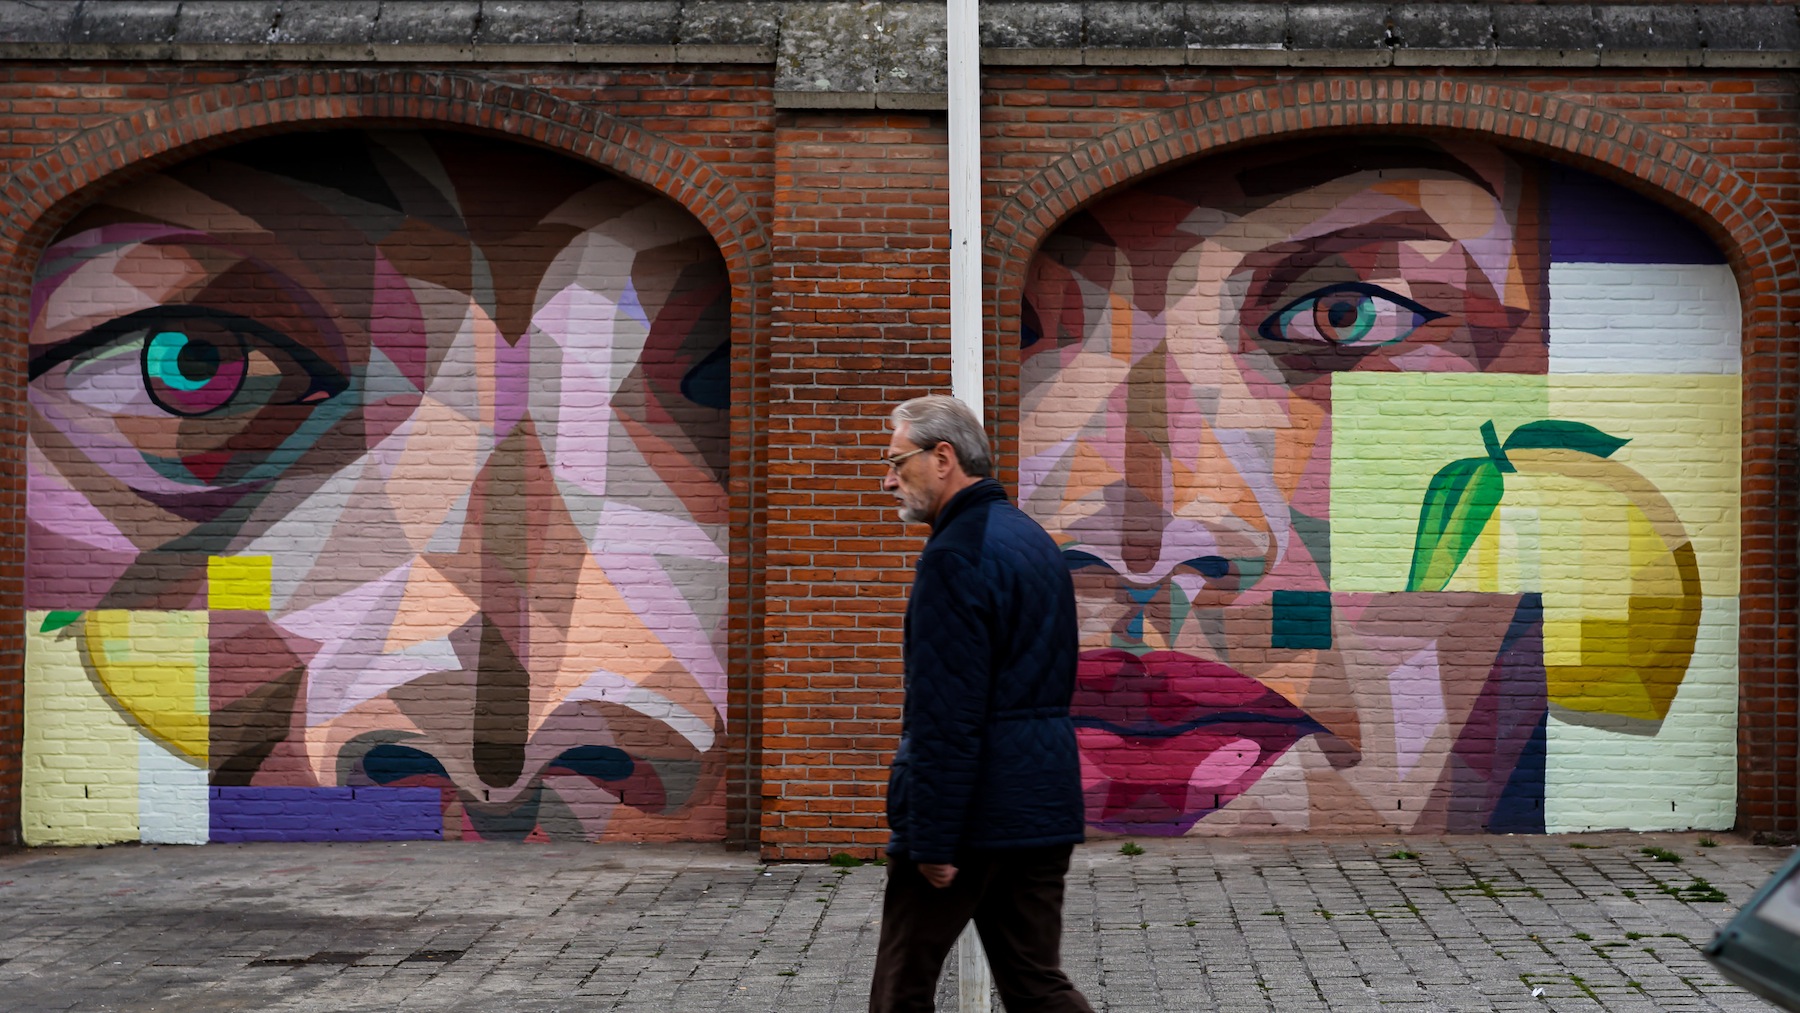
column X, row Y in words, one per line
column 376, row 490
column 1398, row 483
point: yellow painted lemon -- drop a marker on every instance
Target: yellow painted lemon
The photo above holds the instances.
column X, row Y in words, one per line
column 153, row 666
column 1551, row 511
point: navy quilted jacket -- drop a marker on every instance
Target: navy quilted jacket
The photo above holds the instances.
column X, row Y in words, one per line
column 987, row 752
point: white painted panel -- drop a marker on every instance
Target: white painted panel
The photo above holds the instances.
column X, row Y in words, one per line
column 172, row 799
column 1682, row 778
column 1644, row 318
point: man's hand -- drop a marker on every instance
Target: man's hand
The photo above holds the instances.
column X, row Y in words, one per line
column 937, row 875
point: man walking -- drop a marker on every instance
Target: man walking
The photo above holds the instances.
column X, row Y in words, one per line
column 984, row 799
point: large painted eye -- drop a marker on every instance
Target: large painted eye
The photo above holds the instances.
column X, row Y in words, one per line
column 1353, row 313
column 192, row 361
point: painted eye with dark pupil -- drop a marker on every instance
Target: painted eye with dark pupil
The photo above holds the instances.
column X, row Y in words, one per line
column 1345, row 317
column 1347, row 314
column 196, row 361
column 193, row 372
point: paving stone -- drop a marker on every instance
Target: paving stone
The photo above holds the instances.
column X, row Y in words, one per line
column 1469, row 926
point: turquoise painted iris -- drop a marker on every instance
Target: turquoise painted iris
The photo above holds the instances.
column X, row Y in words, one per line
column 190, row 373
column 1353, row 314
column 1345, row 317
column 165, row 363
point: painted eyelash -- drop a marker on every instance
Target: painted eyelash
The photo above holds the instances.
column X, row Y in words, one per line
column 327, row 379
column 1270, row 328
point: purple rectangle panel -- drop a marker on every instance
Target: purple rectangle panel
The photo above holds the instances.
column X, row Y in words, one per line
column 1598, row 222
column 325, row 814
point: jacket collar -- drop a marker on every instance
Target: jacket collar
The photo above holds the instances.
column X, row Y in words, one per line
column 985, row 491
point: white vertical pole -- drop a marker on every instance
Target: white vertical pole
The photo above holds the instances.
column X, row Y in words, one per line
column 973, row 976
column 966, row 347
column 963, row 43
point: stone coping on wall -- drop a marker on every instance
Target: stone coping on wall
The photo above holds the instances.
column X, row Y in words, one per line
column 891, row 54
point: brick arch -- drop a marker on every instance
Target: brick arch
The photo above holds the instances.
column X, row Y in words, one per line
column 49, row 190
column 1707, row 190
column 1703, row 187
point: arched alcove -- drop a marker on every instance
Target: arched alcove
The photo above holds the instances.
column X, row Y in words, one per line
column 1399, row 477
column 376, row 489
column 1701, row 187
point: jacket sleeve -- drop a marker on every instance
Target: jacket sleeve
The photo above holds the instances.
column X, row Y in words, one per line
column 948, row 678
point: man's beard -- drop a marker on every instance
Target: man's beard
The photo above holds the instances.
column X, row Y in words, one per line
column 911, row 511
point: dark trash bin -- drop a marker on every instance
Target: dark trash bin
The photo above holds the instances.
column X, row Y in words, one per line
column 1760, row 947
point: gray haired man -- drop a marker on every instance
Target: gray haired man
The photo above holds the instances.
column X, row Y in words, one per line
column 984, row 798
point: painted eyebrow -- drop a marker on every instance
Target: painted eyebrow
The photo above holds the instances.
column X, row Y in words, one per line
column 1289, row 262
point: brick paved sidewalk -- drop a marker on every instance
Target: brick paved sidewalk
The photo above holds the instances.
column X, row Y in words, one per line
column 1287, row 925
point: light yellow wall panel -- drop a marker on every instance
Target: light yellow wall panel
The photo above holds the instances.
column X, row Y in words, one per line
column 80, row 779
column 1390, row 433
column 1685, row 439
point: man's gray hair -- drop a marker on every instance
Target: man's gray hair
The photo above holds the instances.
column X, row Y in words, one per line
column 940, row 418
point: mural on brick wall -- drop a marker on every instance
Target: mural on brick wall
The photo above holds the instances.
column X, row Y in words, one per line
column 376, row 490
column 1399, row 485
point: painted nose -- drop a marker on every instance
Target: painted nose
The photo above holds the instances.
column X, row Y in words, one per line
column 1185, row 500
column 1147, row 506
column 525, row 550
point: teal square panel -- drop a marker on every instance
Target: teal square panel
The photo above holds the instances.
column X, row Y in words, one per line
column 1302, row 620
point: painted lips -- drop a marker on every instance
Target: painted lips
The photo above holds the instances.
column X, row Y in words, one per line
column 1167, row 738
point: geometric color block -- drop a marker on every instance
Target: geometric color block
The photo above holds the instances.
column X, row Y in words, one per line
column 1390, row 435
column 1302, row 621
column 1520, row 809
column 238, row 582
column 1601, row 319
column 326, row 814
column 172, row 797
column 1512, row 716
column 1594, row 221
column 155, row 665
column 80, row 780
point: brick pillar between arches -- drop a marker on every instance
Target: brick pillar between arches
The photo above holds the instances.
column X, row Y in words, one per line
column 861, row 320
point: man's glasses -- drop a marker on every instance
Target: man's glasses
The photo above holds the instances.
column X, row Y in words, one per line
column 897, row 460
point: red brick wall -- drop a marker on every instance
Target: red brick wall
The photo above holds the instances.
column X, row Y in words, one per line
column 861, row 283
column 833, row 225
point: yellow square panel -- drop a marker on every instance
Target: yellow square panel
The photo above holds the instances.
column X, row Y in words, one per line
column 238, row 582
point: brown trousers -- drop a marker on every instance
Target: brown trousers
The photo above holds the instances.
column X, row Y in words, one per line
column 1015, row 898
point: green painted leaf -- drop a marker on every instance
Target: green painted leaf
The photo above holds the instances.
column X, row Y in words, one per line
column 1559, row 434
column 57, row 620
column 1458, row 504
column 1495, row 452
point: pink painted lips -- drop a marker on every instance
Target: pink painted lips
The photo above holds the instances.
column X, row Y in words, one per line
column 1168, row 738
